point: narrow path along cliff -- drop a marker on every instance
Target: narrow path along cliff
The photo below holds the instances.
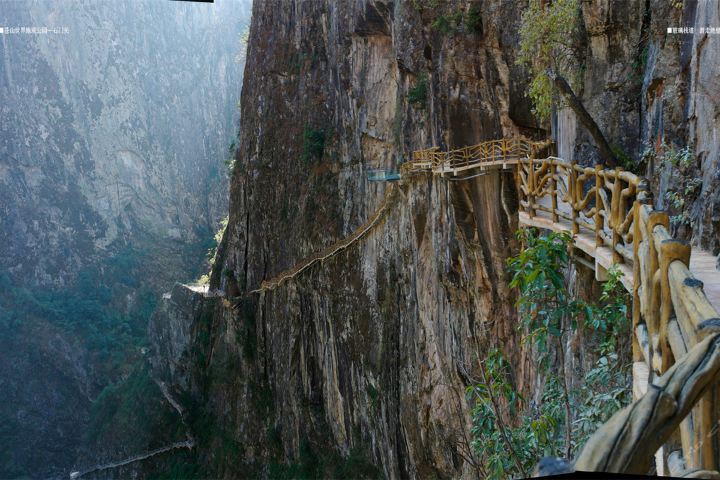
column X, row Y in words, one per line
column 136, row 458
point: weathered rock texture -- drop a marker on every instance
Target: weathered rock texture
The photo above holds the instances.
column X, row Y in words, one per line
column 646, row 87
column 112, row 142
column 114, row 131
column 368, row 353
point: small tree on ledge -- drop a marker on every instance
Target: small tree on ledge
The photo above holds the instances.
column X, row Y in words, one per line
column 549, row 48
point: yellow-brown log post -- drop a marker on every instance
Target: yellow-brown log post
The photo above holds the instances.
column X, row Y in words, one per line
column 616, row 216
column 653, row 316
column 599, row 225
column 640, row 198
column 553, row 191
column 572, row 197
column 573, row 194
column 531, row 188
column 670, row 251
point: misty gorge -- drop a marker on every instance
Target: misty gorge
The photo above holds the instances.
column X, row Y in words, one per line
column 295, row 239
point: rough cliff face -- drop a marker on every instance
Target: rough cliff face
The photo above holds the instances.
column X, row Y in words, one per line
column 647, row 87
column 363, row 359
column 112, row 183
column 110, row 131
column 367, row 355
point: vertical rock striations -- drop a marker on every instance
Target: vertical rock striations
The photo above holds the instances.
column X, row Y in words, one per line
column 363, row 359
column 367, row 354
column 112, row 142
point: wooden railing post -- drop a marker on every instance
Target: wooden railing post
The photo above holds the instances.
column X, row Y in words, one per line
column 670, row 251
column 531, row 188
column 652, row 313
column 553, row 191
column 701, row 452
column 599, row 224
column 616, row 215
column 575, row 197
column 640, row 198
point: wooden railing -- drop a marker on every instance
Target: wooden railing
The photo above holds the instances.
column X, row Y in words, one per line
column 610, row 211
column 486, row 154
column 610, row 216
column 594, row 200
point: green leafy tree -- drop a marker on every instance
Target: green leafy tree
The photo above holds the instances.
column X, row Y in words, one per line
column 548, row 39
column 507, row 450
column 508, row 439
column 547, row 310
column 550, row 48
column 605, row 388
column 418, row 93
column 313, row 144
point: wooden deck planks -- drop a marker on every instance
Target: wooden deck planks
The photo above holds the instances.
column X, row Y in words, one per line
column 703, row 267
column 702, row 263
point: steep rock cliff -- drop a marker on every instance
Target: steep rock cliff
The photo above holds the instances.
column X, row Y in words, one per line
column 647, row 87
column 112, row 182
column 367, row 354
column 363, row 358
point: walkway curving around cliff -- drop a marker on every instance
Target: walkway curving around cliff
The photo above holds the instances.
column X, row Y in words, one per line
column 675, row 295
column 490, row 154
column 374, row 220
column 190, row 443
column 675, row 298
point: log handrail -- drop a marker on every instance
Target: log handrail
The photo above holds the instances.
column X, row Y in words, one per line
column 672, row 318
column 611, row 206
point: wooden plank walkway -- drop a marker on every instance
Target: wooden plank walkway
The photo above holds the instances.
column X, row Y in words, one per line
column 702, row 263
column 703, row 267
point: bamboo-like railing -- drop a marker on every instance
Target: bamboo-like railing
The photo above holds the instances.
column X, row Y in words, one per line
column 609, row 213
column 596, row 200
column 671, row 314
column 486, row 154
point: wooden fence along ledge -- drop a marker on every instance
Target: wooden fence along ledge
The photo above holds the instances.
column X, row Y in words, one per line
column 676, row 324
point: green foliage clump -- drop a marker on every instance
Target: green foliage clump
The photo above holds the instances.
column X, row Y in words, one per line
column 88, row 309
column 452, row 22
column 448, row 24
column 313, row 144
column 564, row 418
column 605, row 388
column 418, row 93
column 506, row 450
column 374, row 397
column 548, row 40
column 133, row 413
column 624, row 159
column 473, row 20
column 603, row 393
column 212, row 250
column 231, row 162
column 686, row 185
column 546, row 308
column 420, row 4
